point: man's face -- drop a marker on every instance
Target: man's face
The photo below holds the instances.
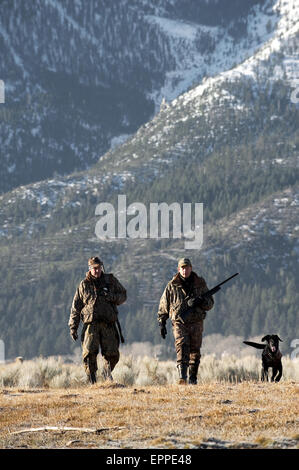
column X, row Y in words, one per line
column 185, row 271
column 96, row 271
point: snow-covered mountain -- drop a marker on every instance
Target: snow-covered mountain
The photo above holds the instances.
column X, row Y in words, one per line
column 200, row 112
column 230, row 142
column 81, row 77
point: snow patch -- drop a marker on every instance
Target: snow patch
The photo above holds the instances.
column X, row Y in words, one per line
column 119, row 140
column 177, row 29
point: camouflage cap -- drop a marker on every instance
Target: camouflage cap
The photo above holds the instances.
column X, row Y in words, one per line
column 94, row 261
column 184, row 262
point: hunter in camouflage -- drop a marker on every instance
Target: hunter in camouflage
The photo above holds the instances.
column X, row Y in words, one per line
column 95, row 303
column 179, row 294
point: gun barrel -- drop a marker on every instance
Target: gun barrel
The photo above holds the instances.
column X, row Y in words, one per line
column 228, row 279
column 212, row 291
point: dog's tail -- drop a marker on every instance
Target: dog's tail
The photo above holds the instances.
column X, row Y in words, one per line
column 255, row 345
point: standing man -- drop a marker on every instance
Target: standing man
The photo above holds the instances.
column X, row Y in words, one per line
column 183, row 292
column 95, row 303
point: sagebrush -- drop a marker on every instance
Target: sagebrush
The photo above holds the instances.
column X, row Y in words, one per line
column 53, row 372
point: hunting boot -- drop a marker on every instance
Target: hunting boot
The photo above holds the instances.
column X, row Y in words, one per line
column 193, row 368
column 92, row 377
column 182, row 368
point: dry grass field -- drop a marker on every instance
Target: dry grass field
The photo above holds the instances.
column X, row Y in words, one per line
column 39, row 409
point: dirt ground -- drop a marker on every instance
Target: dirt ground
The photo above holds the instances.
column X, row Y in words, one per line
column 112, row 416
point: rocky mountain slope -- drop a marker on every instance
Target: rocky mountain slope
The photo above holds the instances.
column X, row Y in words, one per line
column 79, row 79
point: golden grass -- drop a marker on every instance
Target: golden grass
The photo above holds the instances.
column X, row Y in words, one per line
column 165, row 416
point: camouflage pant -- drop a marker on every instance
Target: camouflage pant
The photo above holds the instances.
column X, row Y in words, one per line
column 98, row 335
column 188, row 339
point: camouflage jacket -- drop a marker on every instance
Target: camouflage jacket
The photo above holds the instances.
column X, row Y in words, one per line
column 90, row 304
column 174, row 299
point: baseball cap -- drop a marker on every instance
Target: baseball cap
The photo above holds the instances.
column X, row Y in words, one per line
column 184, row 262
column 94, row 261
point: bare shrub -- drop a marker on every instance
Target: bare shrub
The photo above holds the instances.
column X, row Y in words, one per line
column 221, row 346
column 228, row 369
column 126, row 371
column 9, row 374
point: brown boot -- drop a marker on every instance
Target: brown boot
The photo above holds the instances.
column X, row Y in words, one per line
column 182, row 368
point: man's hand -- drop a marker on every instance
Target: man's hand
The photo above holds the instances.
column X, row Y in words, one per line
column 195, row 301
column 74, row 335
column 109, row 297
column 163, row 330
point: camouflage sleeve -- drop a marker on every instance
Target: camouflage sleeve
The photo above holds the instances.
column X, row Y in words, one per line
column 164, row 305
column 209, row 301
column 77, row 306
column 117, row 292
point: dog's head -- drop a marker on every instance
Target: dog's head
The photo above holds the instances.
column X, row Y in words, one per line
column 273, row 342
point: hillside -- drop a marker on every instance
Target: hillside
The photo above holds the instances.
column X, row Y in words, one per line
column 231, row 143
column 81, row 78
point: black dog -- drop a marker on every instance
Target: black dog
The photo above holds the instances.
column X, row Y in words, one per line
column 271, row 356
